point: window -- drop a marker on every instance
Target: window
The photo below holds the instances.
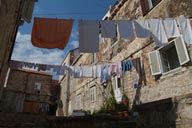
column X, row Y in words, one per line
column 37, row 87
column 28, row 10
column 93, row 93
column 117, row 88
column 78, row 101
column 169, row 57
column 117, row 82
column 147, row 5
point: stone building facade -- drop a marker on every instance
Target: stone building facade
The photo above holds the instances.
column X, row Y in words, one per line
column 12, row 15
column 29, row 92
column 171, row 89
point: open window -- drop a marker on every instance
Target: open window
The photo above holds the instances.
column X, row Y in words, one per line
column 37, row 87
column 147, row 5
column 117, row 88
column 27, row 11
column 169, row 57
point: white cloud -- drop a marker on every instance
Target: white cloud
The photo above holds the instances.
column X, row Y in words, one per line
column 25, row 51
column 75, row 43
column 75, row 34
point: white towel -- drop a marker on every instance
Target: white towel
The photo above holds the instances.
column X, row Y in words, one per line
column 88, row 36
column 87, row 71
column 171, row 28
column 142, row 29
column 158, row 32
column 97, row 71
column 108, row 29
column 126, row 29
column 186, row 30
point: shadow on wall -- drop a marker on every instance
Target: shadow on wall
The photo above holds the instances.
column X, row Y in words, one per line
column 158, row 114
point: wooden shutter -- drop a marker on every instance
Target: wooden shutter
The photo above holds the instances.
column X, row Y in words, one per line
column 181, row 50
column 28, row 10
column 155, row 64
column 144, row 6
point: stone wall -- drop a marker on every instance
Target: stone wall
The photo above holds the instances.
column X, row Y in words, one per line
column 9, row 15
column 152, row 88
column 21, row 88
column 170, row 112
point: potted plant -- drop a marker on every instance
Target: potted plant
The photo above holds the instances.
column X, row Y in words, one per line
column 125, row 100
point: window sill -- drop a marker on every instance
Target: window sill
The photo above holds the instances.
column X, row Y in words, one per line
column 171, row 72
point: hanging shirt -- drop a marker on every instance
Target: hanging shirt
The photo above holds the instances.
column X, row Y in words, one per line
column 88, row 36
column 186, row 29
column 125, row 29
column 142, row 29
column 108, row 29
column 112, row 69
column 119, row 69
column 158, row 32
column 171, row 28
column 70, row 69
column 78, row 72
column 104, row 73
column 62, row 70
column 126, row 65
column 97, row 71
column 51, row 33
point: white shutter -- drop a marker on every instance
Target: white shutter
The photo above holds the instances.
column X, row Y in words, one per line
column 28, row 10
column 155, row 64
column 181, row 50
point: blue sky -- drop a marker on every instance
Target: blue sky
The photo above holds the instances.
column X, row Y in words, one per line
column 66, row 9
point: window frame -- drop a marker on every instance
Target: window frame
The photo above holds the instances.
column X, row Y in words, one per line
column 181, row 49
column 37, row 87
column 78, row 101
column 93, row 93
column 147, row 6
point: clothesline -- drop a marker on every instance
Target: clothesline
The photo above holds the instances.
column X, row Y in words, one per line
column 55, row 33
column 103, row 71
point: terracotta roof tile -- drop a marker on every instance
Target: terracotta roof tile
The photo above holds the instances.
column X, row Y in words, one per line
column 34, row 72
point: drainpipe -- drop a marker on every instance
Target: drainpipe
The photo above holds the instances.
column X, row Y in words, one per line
column 67, row 94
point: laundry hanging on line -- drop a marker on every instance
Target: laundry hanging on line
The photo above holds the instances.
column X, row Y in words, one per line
column 186, row 29
column 88, row 36
column 55, row 33
column 104, row 71
column 51, row 33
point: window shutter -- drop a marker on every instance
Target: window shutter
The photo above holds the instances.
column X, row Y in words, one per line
column 28, row 10
column 154, row 60
column 181, row 50
column 144, row 6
